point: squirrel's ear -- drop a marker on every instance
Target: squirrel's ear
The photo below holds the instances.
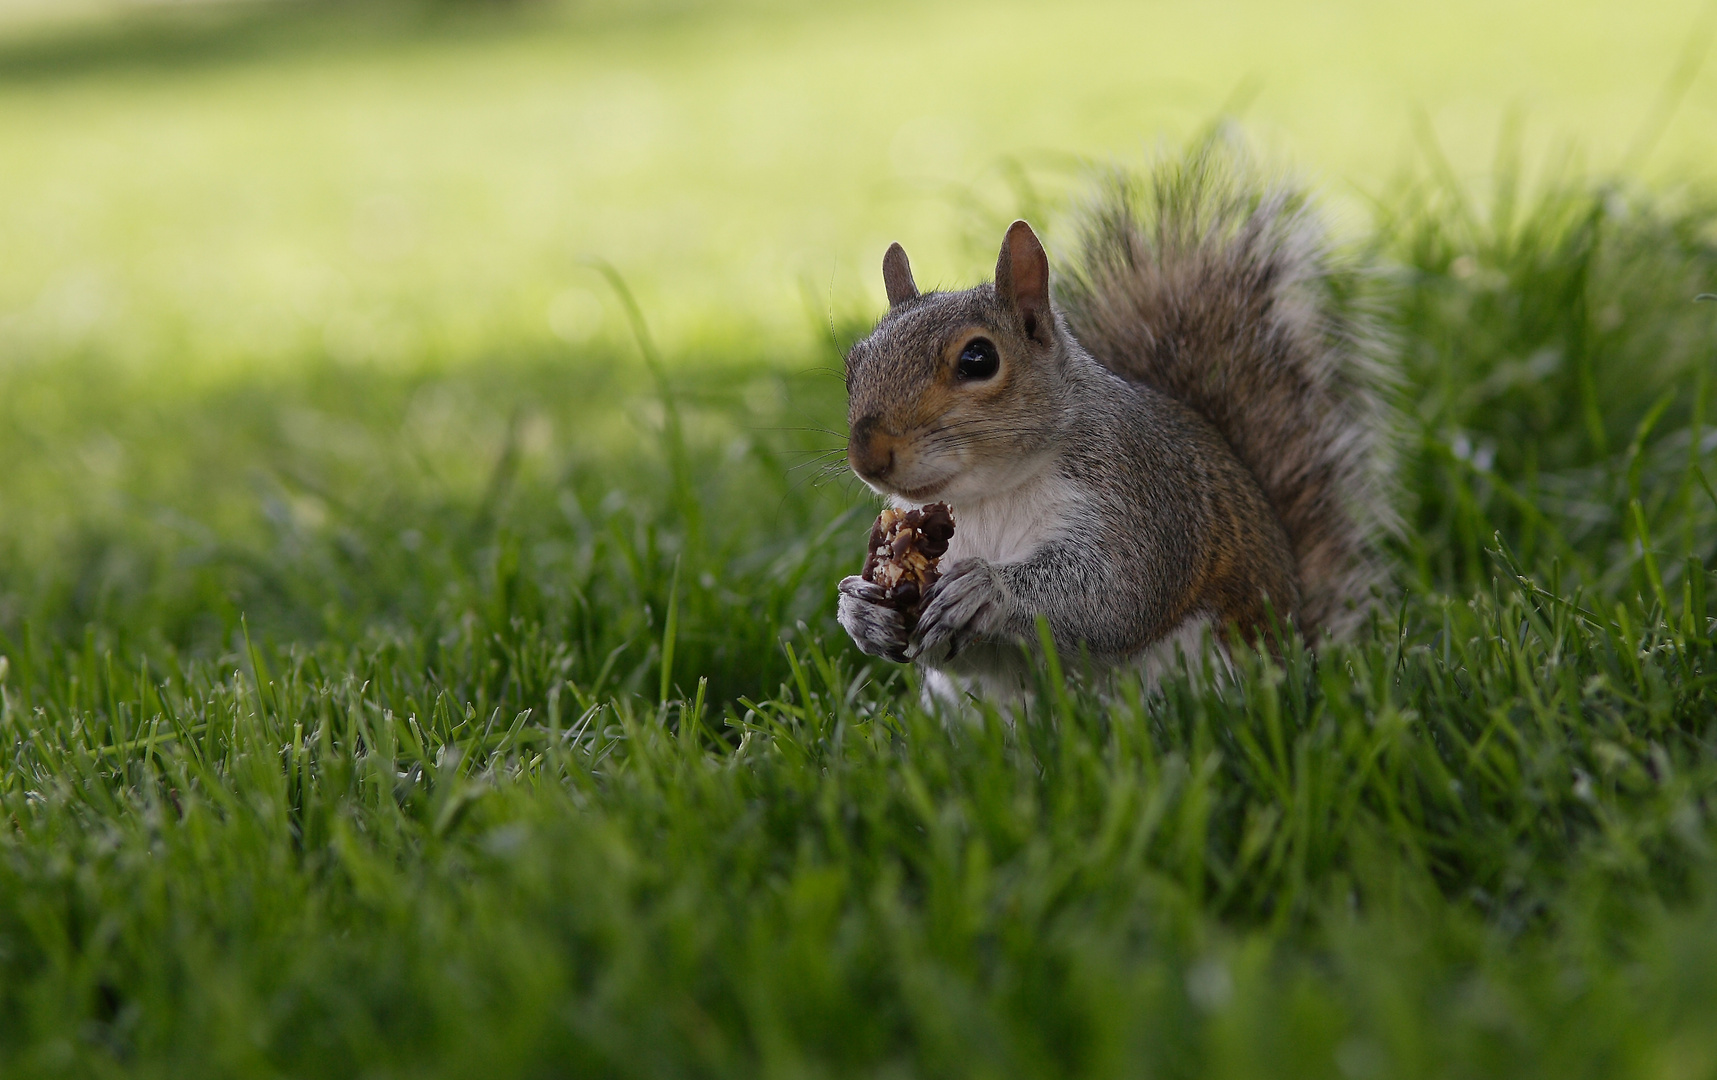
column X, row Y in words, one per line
column 897, row 276
column 1022, row 279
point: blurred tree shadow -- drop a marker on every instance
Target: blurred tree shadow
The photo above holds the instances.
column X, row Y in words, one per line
column 177, row 37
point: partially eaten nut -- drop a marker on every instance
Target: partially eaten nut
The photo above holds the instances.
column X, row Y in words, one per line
column 904, row 548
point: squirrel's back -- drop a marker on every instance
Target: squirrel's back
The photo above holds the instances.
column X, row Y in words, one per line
column 1219, row 291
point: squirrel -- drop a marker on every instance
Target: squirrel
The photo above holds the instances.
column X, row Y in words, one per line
column 1187, row 435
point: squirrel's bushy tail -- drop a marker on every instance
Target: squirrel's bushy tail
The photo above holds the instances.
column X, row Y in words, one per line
column 1218, row 289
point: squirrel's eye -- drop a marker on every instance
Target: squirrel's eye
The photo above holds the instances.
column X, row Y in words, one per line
column 979, row 359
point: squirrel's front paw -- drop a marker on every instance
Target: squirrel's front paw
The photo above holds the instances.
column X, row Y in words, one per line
column 876, row 628
column 966, row 603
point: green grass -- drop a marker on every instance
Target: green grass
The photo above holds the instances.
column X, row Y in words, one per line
column 477, row 708
column 336, row 741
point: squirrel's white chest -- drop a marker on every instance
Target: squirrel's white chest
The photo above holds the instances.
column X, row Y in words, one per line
column 1012, row 527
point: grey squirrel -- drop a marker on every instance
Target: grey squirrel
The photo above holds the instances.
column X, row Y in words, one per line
column 1189, row 437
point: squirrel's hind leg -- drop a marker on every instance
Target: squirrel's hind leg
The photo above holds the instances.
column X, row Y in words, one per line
column 1184, row 648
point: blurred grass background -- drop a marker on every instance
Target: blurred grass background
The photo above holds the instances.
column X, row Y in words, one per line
column 221, row 185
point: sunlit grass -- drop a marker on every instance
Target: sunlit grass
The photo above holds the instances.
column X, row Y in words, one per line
column 387, row 185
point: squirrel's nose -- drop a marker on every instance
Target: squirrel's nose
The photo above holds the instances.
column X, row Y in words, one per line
column 869, row 451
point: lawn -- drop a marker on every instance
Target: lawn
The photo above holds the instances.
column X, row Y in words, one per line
column 410, row 668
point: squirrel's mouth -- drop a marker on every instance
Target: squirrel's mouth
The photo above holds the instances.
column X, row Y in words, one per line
column 921, row 494
column 910, row 477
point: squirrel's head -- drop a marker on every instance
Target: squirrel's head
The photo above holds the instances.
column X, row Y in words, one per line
column 952, row 395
